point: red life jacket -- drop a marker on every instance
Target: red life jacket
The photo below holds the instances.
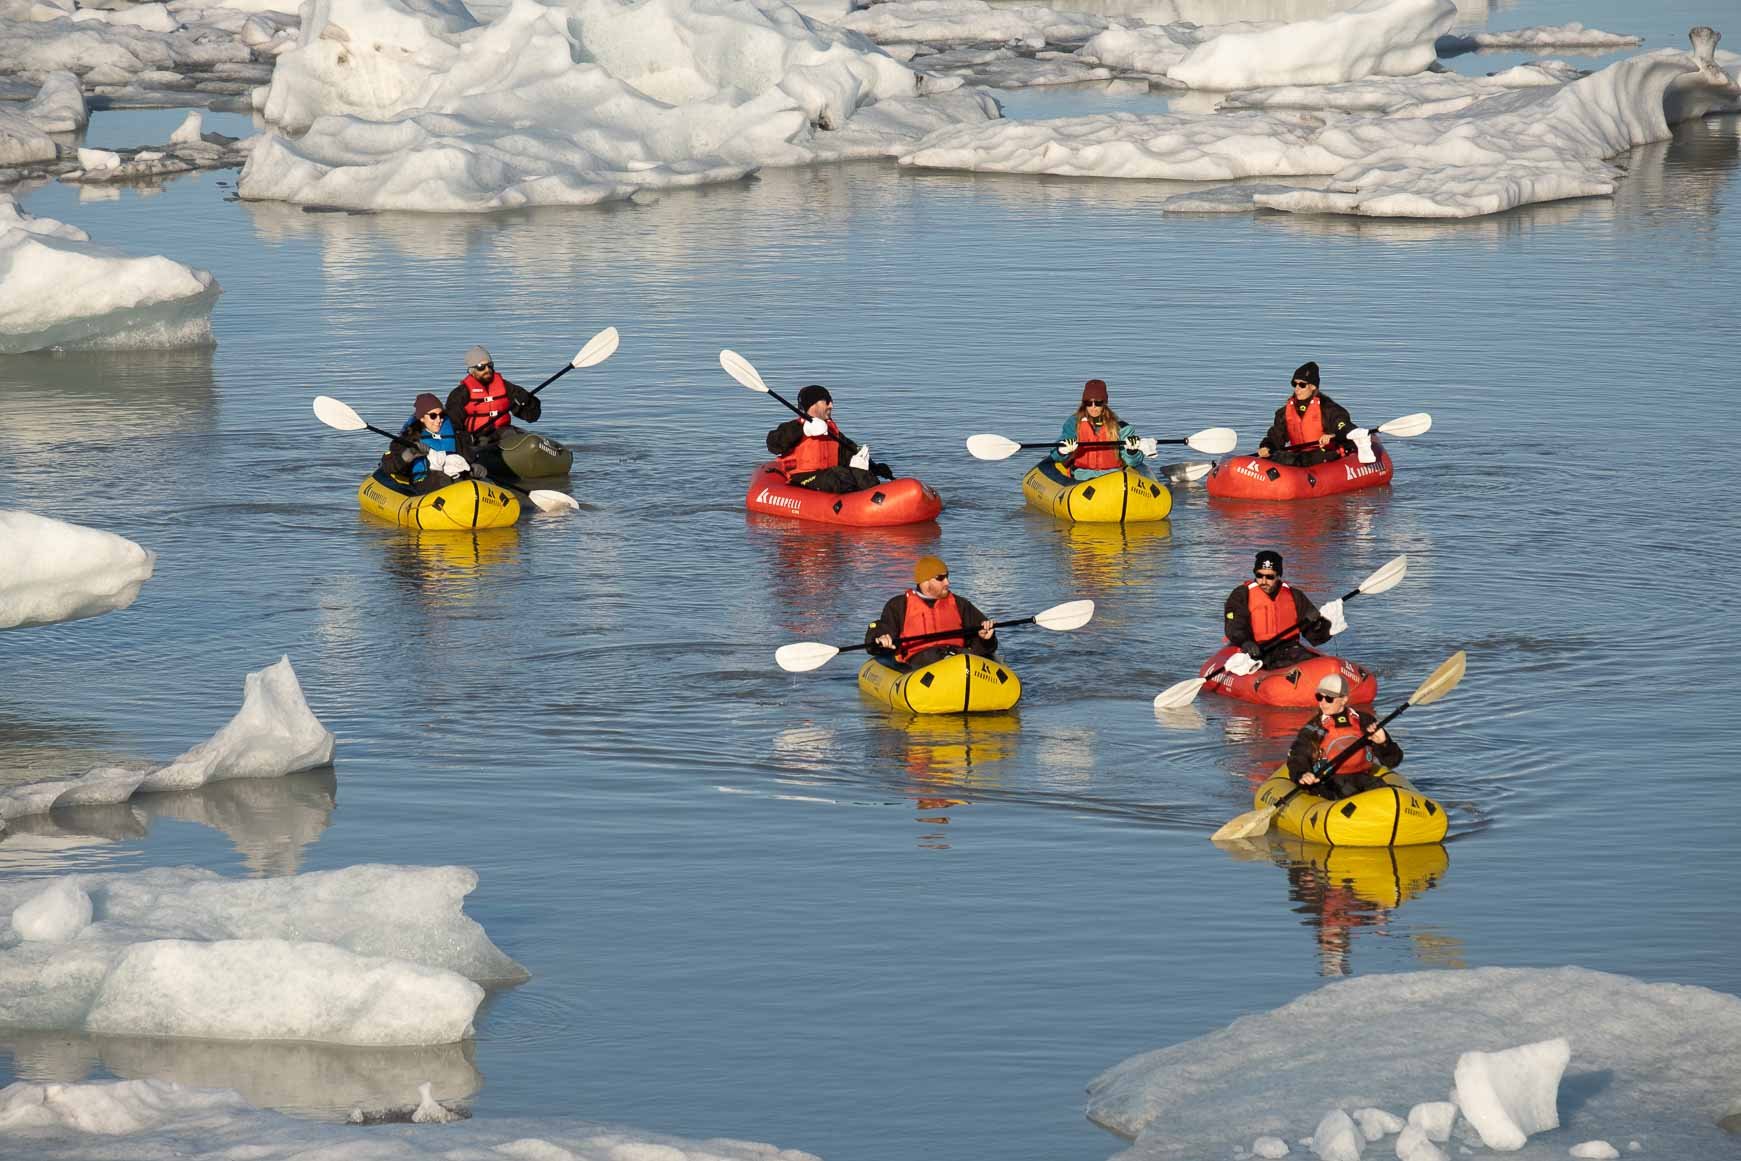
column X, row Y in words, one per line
column 1270, row 616
column 1098, row 458
column 813, row 453
column 1337, row 738
column 1307, row 428
column 486, row 407
column 923, row 617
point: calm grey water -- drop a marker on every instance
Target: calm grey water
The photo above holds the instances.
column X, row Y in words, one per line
column 756, row 906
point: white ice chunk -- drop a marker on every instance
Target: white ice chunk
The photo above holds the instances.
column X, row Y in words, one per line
column 1269, row 1147
column 971, row 21
column 1376, row 1123
column 54, row 915
column 1512, row 1094
column 1383, row 37
column 1336, row 1138
column 59, row 106
column 1434, row 1118
column 189, row 130
column 54, row 571
column 430, row 1111
column 99, row 158
column 1573, row 35
column 23, row 141
column 1412, row 1144
column 1595, row 1151
column 111, row 1110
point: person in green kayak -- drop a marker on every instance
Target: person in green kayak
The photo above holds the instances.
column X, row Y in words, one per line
column 1096, row 423
column 1310, row 428
column 814, row 454
column 1339, row 727
column 481, row 408
column 426, row 455
column 925, row 609
column 1262, row 609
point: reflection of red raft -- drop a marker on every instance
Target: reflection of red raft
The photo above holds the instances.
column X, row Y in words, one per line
column 902, row 501
column 1251, row 478
column 1291, row 685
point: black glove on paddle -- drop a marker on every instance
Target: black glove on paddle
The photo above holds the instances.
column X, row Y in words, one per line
column 883, row 471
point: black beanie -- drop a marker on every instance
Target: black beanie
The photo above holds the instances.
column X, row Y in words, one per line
column 812, row 395
column 1308, row 372
column 1269, row 558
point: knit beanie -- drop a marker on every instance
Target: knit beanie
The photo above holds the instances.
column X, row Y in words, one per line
column 928, row 568
column 477, row 355
column 425, row 404
column 1308, row 372
column 1269, row 558
column 1094, row 391
column 812, row 395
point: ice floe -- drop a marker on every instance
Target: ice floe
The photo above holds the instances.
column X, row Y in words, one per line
column 1375, row 37
column 419, row 105
column 54, row 571
column 1559, row 36
column 368, row 955
column 146, row 1120
column 1645, row 1058
column 58, row 289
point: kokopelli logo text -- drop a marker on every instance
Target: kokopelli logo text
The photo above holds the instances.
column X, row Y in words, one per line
column 764, row 497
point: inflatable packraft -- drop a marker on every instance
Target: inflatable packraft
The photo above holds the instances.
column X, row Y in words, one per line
column 533, row 457
column 1289, row 685
column 960, row 683
column 1127, row 496
column 902, row 501
column 1253, row 478
column 1394, row 815
column 460, row 506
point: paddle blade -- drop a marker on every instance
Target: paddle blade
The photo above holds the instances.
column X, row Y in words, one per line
column 1213, row 441
column 598, row 348
column 803, row 656
column 335, row 414
column 742, row 370
column 1443, row 680
column 1248, row 825
column 1407, row 426
column 991, row 447
column 1180, row 695
column 547, row 500
column 1065, row 617
column 1185, row 472
column 1387, row 576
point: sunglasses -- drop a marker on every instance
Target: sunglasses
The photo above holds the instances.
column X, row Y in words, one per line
column 1329, row 696
column 434, row 414
column 1094, row 403
column 1298, row 383
column 483, row 366
column 1267, row 575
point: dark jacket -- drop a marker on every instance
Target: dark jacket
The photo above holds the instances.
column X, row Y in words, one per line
column 1304, row 753
column 1236, row 621
column 522, row 404
column 1334, row 416
column 790, row 434
column 895, row 612
column 408, row 459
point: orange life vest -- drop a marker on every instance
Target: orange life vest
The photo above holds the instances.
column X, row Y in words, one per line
column 923, row 617
column 813, row 453
column 1095, row 459
column 1270, row 616
column 1337, row 737
column 486, row 406
column 1307, row 428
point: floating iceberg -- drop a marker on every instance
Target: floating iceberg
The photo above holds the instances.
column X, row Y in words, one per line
column 1559, row 36
column 1646, row 1058
column 273, row 734
column 1375, row 37
column 59, row 289
column 370, row 955
column 54, row 571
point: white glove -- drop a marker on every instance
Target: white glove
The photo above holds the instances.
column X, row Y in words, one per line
column 1241, row 664
column 861, row 461
column 1332, row 612
column 1148, row 446
column 815, row 427
column 455, row 466
column 1067, row 448
column 437, row 459
column 1362, row 440
column 1132, row 443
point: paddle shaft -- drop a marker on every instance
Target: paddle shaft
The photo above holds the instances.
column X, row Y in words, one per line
column 1092, row 445
column 942, row 635
column 565, row 370
column 793, row 408
column 1324, row 771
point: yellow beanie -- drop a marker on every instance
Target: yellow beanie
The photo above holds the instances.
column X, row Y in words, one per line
column 928, row 568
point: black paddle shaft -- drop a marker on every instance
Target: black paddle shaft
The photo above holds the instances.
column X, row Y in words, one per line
column 794, row 409
column 1095, row 444
column 565, row 370
column 939, row 636
column 1323, row 771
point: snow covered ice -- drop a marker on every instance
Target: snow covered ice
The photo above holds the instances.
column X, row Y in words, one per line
column 1561, row 36
column 54, row 571
column 58, row 289
column 1509, row 1096
column 1656, row 1062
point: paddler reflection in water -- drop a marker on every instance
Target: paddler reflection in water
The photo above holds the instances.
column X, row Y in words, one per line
column 430, row 462
column 929, row 607
column 481, row 408
column 1096, row 422
column 1310, row 428
column 1265, row 607
column 814, row 454
column 1337, row 728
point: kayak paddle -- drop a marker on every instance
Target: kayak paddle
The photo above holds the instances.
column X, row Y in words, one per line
column 803, row 656
column 1444, row 679
column 745, row 372
column 1211, row 441
column 1185, row 472
column 598, row 348
column 1386, row 577
column 342, row 417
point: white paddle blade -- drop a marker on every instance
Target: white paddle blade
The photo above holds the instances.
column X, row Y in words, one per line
column 1387, row 576
column 1407, row 426
column 742, row 370
column 803, row 656
column 1248, row 825
column 1443, row 680
column 336, row 414
column 548, row 500
column 598, row 348
column 1065, row 617
column 1195, row 472
column 991, row 447
column 1180, row 695
column 1213, row 441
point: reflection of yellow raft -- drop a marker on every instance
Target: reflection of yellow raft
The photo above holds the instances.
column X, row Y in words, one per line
column 1384, row 876
column 959, row 683
column 1397, row 815
column 462, row 507
column 1127, row 496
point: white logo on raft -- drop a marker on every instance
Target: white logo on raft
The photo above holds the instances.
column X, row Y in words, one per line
column 1354, row 473
column 1250, row 468
column 762, row 497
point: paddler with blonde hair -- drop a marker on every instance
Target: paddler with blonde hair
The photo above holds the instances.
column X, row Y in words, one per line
column 927, row 608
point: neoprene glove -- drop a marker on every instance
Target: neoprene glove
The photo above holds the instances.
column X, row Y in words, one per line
column 437, row 460
column 1067, row 448
column 815, row 427
column 861, row 458
column 455, row 466
column 883, row 471
column 1333, row 614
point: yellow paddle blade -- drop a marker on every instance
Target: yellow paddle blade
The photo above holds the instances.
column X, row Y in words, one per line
column 1248, row 825
column 1443, row 680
